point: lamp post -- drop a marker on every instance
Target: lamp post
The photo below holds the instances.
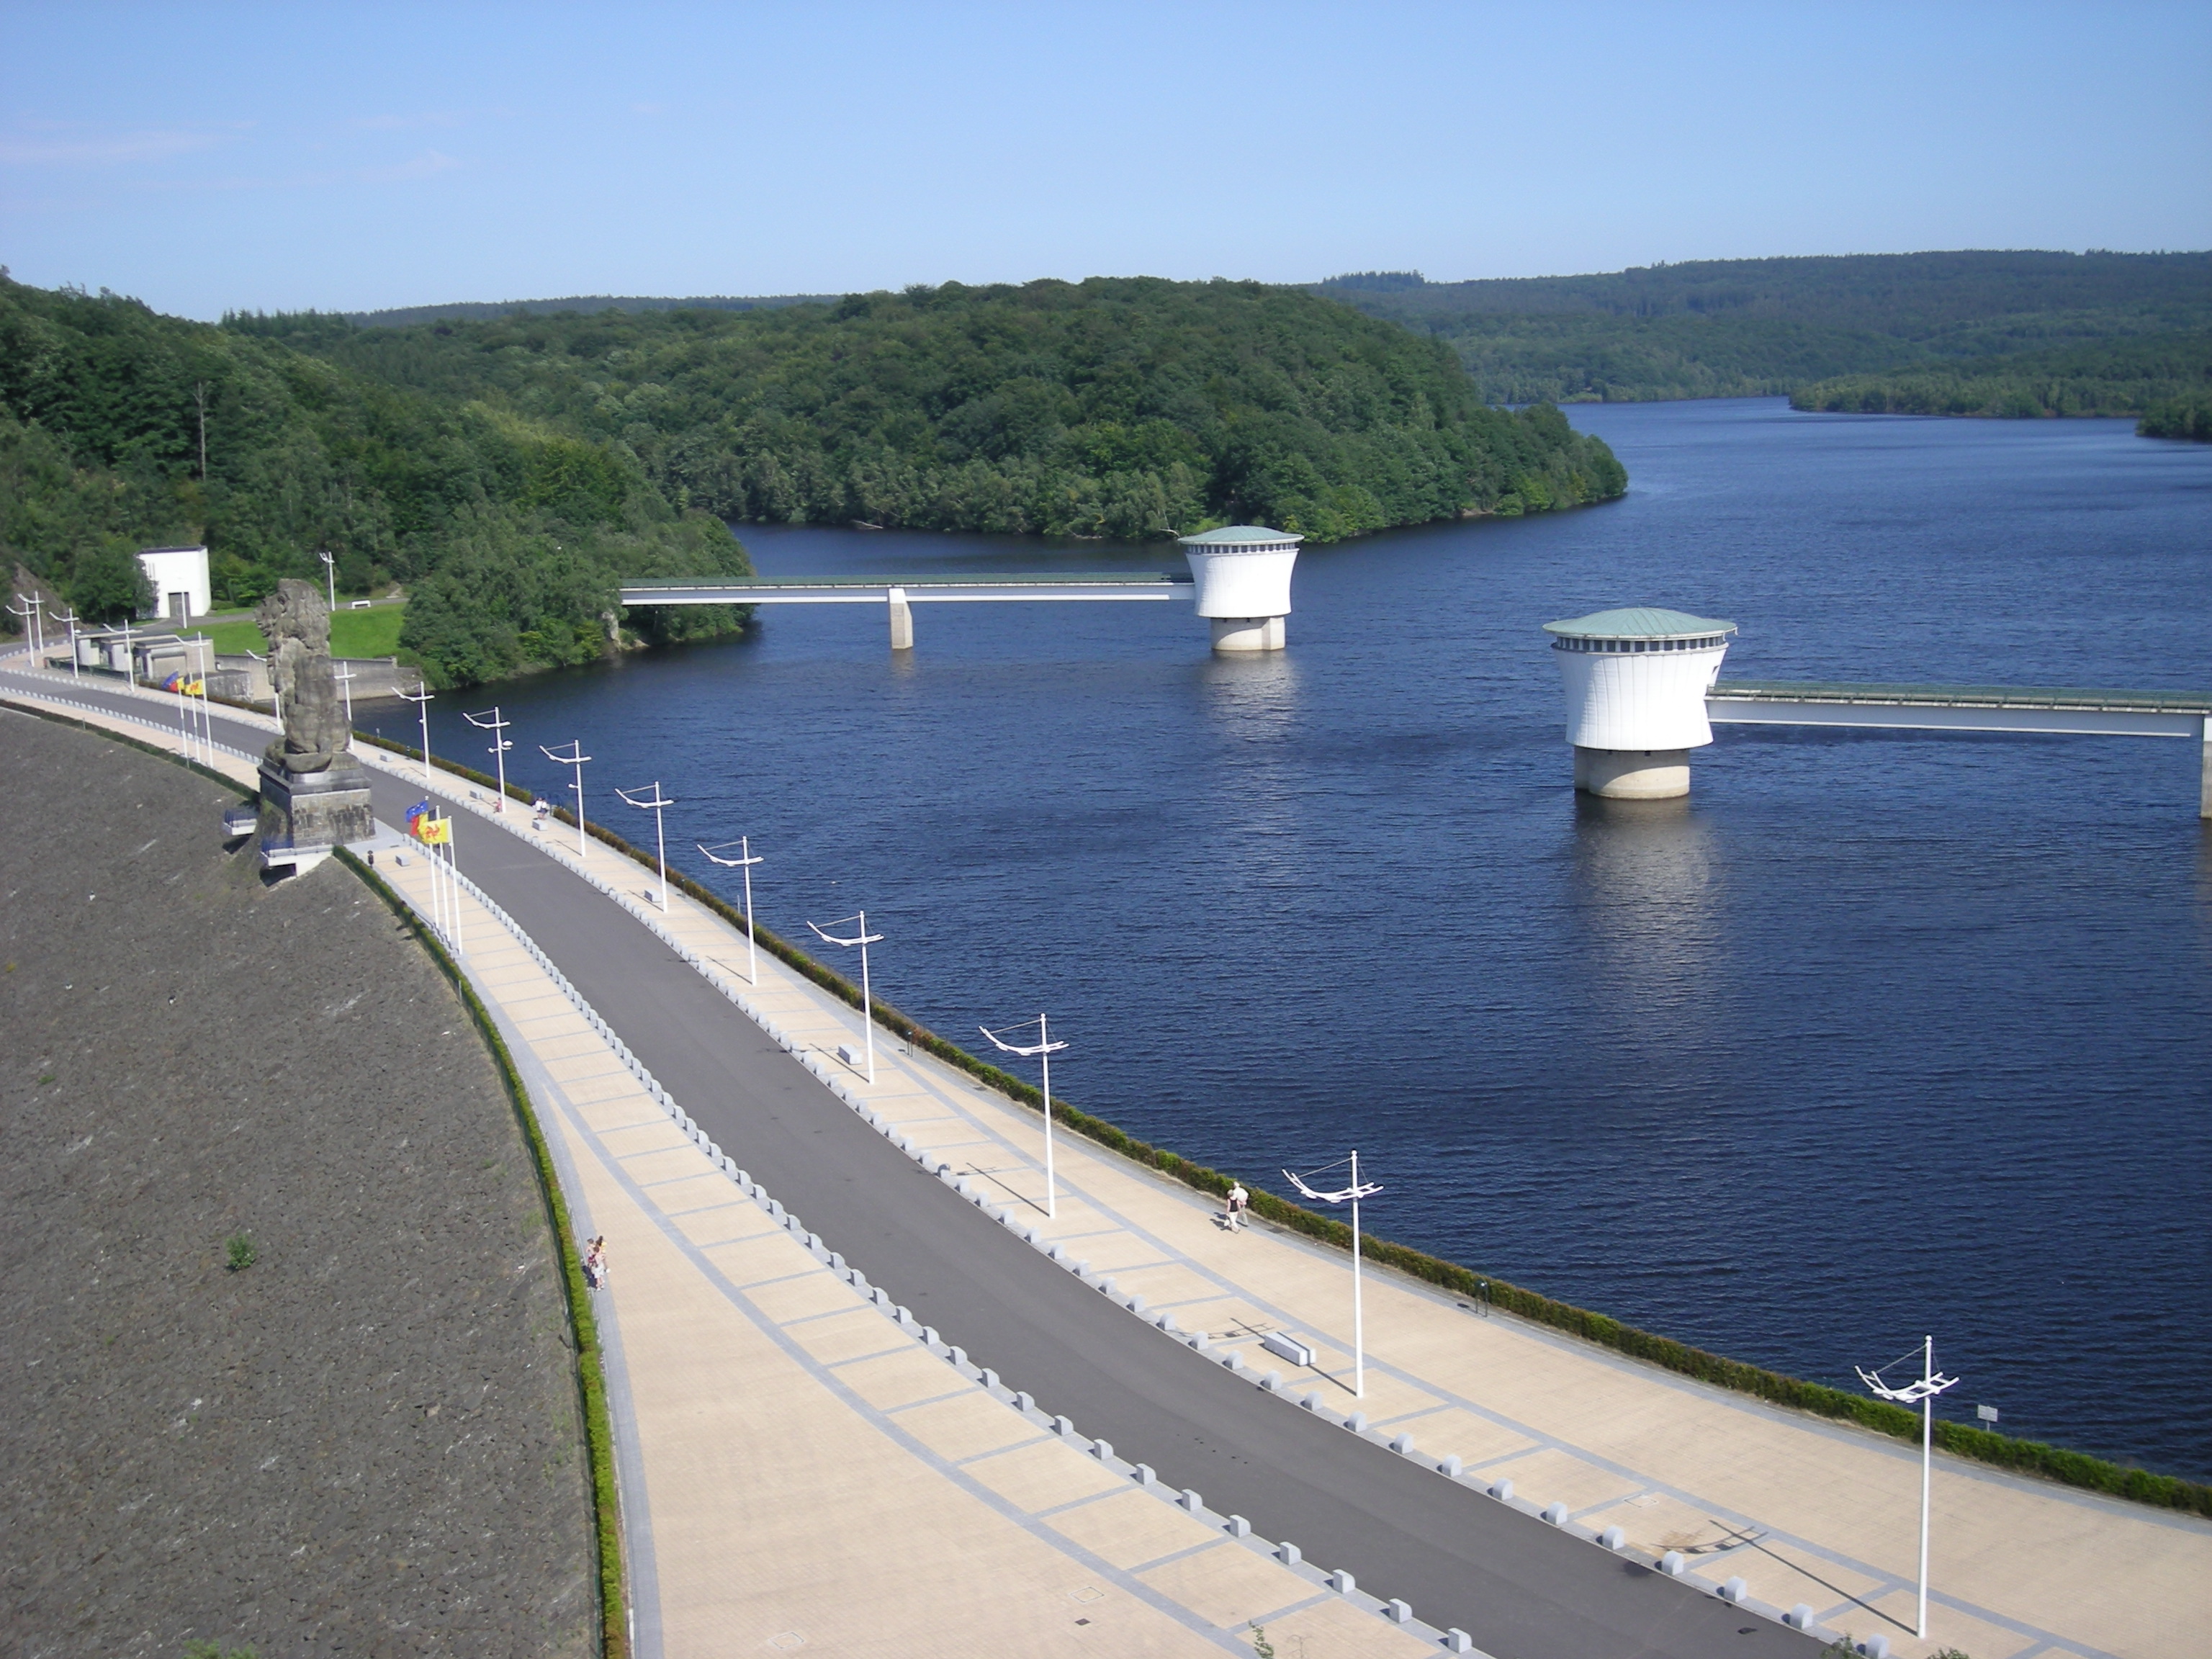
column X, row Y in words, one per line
column 656, row 806
column 864, row 939
column 500, row 745
column 1044, row 1048
column 576, row 757
column 275, row 697
column 76, row 669
column 1353, row 1193
column 331, row 570
column 344, row 678
column 745, row 861
column 33, row 636
column 1922, row 1388
column 421, row 696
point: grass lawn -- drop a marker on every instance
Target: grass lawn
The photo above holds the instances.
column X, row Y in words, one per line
column 352, row 633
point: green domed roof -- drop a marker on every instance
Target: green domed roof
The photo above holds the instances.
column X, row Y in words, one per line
column 1638, row 621
column 1239, row 535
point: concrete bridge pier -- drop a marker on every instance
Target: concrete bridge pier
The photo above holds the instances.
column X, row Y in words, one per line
column 901, row 621
column 2204, row 785
column 1248, row 633
column 1632, row 775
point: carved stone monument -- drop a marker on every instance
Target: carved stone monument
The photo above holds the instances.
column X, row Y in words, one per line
column 314, row 794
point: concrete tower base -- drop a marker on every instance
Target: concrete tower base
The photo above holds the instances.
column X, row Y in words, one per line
column 1631, row 774
column 901, row 621
column 1248, row 633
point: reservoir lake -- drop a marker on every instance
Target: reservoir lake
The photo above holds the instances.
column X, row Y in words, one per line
column 1878, row 1035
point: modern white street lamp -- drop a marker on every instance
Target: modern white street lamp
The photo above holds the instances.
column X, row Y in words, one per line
column 574, row 757
column 500, row 745
column 1352, row 1195
column 745, row 861
column 864, row 939
column 76, row 669
column 28, row 611
column 331, row 569
column 1924, row 1389
column 344, row 676
column 1044, row 1048
column 421, row 696
column 657, row 805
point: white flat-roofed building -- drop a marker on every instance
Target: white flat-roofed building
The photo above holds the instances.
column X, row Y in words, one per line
column 1635, row 680
column 1243, row 572
column 179, row 576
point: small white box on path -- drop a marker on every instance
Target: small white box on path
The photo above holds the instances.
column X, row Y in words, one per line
column 1284, row 1345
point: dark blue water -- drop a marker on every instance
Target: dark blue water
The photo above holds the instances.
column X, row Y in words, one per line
column 1878, row 1035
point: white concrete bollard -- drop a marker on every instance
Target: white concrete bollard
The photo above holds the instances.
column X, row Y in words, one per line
column 1239, row 1527
column 1145, row 1477
column 1403, row 1445
column 1735, row 1590
column 1450, row 1467
column 1103, row 1450
column 1502, row 1490
column 1288, row 1554
column 1671, row 1564
column 1398, row 1612
column 1342, row 1582
column 1612, row 1538
column 1556, row 1514
column 1799, row 1617
column 1191, row 1501
column 1458, row 1641
column 1357, row 1422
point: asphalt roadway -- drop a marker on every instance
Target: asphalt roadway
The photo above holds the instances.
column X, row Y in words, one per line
column 1522, row 1590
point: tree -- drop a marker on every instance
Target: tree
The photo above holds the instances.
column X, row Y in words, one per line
column 108, row 584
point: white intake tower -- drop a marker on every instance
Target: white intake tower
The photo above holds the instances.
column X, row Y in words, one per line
column 1636, row 682
column 1243, row 577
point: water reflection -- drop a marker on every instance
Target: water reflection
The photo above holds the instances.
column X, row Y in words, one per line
column 1646, row 895
column 1250, row 698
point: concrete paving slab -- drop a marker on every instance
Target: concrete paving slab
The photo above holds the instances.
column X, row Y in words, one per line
column 969, row 1423
column 1044, row 1476
column 1131, row 1528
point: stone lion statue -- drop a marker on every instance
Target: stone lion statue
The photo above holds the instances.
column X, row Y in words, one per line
column 299, row 631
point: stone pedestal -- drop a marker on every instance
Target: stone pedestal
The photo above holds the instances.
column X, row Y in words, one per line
column 304, row 815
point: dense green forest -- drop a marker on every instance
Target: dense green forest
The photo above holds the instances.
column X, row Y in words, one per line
column 2118, row 377
column 1760, row 327
column 120, row 430
column 2189, row 416
column 1128, row 408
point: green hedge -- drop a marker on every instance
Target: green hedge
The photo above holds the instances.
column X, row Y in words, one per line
column 2001, row 1451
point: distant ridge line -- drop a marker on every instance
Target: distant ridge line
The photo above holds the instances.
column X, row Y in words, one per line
column 469, row 310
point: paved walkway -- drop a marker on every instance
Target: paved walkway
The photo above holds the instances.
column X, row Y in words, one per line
column 919, row 1507
column 1803, row 1511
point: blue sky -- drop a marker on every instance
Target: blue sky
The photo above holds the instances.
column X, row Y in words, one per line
column 204, row 157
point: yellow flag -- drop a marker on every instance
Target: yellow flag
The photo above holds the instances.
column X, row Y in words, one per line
column 435, row 832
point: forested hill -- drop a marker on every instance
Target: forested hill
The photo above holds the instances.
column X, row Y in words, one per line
column 1754, row 327
column 1124, row 407
column 120, row 430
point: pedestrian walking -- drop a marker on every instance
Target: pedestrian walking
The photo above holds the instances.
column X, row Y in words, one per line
column 595, row 1263
column 1239, row 1201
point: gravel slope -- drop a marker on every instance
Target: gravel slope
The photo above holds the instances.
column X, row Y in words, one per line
column 368, row 1441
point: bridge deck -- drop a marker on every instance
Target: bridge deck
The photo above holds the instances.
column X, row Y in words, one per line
column 880, row 590
column 2024, row 697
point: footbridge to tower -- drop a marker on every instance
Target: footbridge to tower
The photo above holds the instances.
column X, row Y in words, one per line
column 1644, row 689
column 898, row 595
column 1239, row 582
